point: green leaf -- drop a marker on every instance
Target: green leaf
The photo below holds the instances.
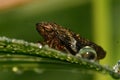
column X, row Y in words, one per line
column 19, row 55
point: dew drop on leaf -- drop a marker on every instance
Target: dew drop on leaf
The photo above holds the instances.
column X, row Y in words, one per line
column 16, row 70
column 87, row 52
column 38, row 70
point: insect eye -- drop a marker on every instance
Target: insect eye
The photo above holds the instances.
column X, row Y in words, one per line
column 87, row 52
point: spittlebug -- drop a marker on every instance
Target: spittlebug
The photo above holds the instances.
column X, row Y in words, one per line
column 57, row 37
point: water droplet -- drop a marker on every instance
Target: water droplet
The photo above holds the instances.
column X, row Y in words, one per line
column 91, row 66
column 98, row 69
column 55, row 56
column 39, row 45
column 62, row 58
column 87, row 52
column 16, row 70
column 69, row 58
column 8, row 55
column 116, row 68
column 84, row 63
column 104, row 71
column 39, row 71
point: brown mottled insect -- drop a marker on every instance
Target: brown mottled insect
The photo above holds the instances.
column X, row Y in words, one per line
column 57, row 37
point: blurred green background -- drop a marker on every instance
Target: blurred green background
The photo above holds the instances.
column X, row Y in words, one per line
column 96, row 20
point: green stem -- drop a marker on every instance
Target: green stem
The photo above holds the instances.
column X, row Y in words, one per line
column 102, row 29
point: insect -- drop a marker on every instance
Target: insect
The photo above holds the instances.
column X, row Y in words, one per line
column 57, row 37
